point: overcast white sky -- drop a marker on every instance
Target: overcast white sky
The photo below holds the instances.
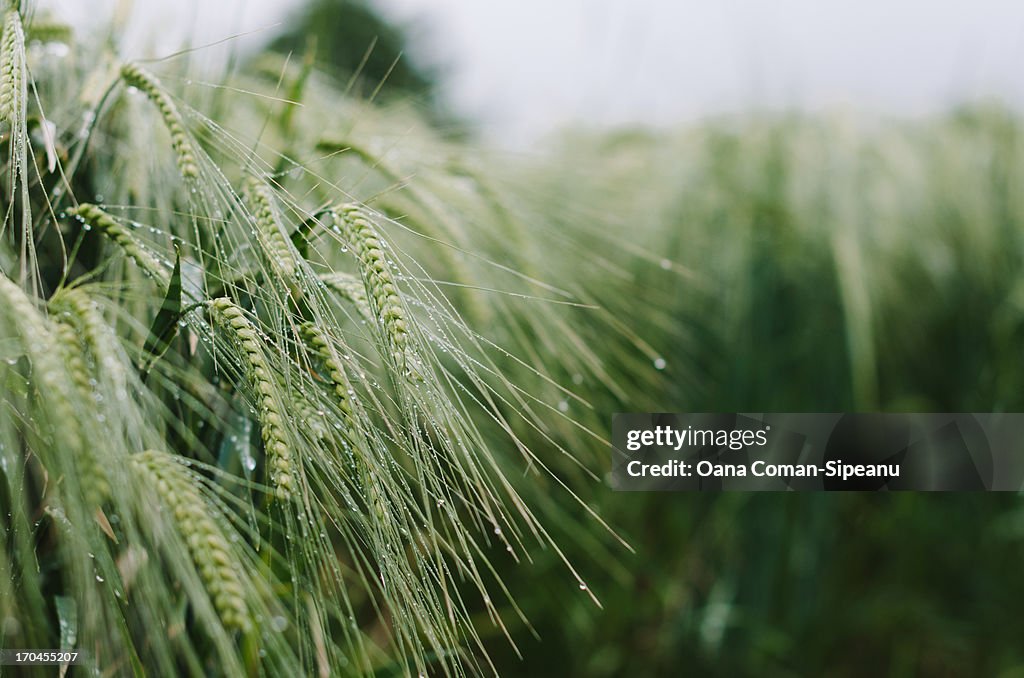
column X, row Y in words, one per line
column 522, row 67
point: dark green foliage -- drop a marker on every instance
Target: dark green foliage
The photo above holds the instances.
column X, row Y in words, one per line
column 766, row 214
column 359, row 48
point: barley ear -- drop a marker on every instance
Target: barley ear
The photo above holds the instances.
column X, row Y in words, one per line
column 209, row 549
column 95, row 217
column 244, row 337
column 350, row 288
column 49, row 31
column 58, row 369
column 358, row 229
column 147, row 83
column 92, row 478
column 98, row 336
column 49, row 372
column 12, row 67
column 275, row 243
column 306, row 415
column 321, row 347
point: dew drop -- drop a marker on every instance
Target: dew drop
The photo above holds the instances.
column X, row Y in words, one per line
column 659, row 363
column 248, row 461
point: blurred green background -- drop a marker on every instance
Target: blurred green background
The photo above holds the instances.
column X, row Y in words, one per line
column 775, row 262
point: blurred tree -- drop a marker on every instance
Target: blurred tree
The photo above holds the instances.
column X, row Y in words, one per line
column 361, row 49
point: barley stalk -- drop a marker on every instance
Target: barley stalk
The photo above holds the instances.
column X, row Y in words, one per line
column 12, row 67
column 147, row 83
column 96, row 217
column 382, row 294
column 230, row 317
column 207, row 546
column 268, row 227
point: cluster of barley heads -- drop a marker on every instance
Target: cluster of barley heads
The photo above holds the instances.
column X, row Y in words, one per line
column 277, row 373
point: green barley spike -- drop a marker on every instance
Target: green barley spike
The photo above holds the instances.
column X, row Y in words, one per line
column 148, row 84
column 268, row 227
column 12, row 66
column 280, row 464
column 358, row 229
column 208, row 547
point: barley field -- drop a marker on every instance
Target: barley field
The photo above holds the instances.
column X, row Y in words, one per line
column 298, row 381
